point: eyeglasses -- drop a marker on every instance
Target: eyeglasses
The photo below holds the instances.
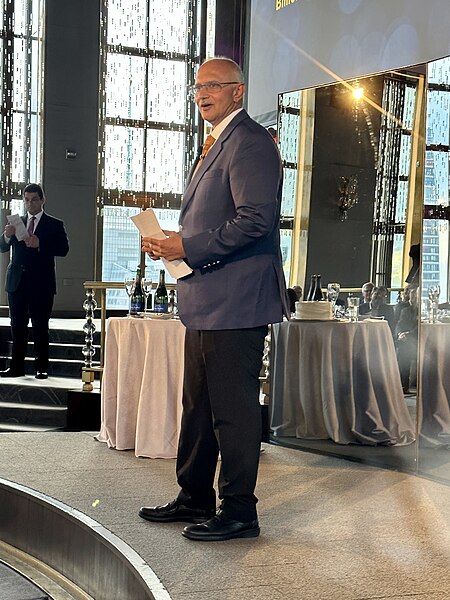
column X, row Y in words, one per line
column 211, row 87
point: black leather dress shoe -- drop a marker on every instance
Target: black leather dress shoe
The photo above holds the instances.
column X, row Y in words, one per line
column 12, row 373
column 174, row 511
column 41, row 375
column 221, row 528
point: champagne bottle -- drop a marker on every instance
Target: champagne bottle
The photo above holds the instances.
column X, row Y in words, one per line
column 161, row 301
column 318, row 294
column 312, row 287
column 137, row 298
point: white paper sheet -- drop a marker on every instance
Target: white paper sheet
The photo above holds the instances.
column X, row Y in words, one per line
column 148, row 226
column 21, row 230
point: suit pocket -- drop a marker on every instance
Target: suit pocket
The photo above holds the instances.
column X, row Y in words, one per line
column 213, row 174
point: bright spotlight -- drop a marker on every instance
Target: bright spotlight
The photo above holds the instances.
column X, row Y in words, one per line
column 358, row 93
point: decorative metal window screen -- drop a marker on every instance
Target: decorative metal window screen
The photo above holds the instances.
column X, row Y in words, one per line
column 149, row 126
column 21, row 81
column 392, row 180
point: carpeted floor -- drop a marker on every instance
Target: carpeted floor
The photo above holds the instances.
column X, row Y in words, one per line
column 330, row 528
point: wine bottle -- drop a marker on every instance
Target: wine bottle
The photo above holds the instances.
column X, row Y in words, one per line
column 137, row 297
column 312, row 287
column 318, row 294
column 161, row 301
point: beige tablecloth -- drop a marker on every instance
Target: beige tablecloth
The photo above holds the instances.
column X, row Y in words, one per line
column 142, row 386
column 434, row 368
column 337, row 380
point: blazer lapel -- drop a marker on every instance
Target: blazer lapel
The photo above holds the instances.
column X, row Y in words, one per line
column 208, row 160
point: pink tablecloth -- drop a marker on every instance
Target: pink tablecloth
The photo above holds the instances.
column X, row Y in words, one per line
column 142, row 386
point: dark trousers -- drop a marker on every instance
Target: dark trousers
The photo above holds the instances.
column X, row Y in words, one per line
column 407, row 360
column 221, row 411
column 35, row 304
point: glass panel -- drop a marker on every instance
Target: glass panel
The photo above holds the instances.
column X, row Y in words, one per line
column 286, row 251
column 168, row 26
column 35, row 79
column 20, row 17
column 18, row 166
column 35, row 155
column 434, row 349
column 17, row 207
column 438, row 108
column 397, row 265
column 125, row 86
column 165, row 151
column 166, row 91
column 168, row 219
column 289, row 192
column 121, row 250
column 127, row 22
column 210, row 28
column 20, row 75
column 439, row 71
column 410, row 108
column 36, row 17
column 123, row 158
column 436, row 177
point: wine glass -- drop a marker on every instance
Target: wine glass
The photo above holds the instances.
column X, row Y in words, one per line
column 333, row 290
column 146, row 284
column 130, row 284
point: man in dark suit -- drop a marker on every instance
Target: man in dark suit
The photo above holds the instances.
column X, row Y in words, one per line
column 229, row 235
column 406, row 334
column 377, row 307
column 31, row 280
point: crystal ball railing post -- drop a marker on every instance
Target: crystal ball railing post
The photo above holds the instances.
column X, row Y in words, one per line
column 89, row 306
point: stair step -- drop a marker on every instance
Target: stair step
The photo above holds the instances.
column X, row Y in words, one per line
column 25, row 406
column 9, row 427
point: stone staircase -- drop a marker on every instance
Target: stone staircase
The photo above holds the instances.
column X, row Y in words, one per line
column 57, row 403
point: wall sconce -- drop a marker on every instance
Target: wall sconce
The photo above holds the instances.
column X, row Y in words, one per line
column 348, row 195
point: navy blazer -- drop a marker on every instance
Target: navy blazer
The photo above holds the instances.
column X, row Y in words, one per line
column 37, row 264
column 229, row 223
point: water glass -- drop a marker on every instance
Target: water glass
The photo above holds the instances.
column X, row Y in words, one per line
column 353, row 307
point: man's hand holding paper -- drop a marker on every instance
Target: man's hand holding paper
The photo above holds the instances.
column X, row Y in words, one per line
column 170, row 248
column 166, row 245
column 16, row 227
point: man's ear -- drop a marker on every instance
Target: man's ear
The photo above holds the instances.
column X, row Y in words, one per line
column 239, row 92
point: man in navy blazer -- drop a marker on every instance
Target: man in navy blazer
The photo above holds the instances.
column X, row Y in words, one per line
column 229, row 236
column 31, row 280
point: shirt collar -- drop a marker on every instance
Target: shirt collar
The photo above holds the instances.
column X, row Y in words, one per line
column 222, row 125
column 37, row 219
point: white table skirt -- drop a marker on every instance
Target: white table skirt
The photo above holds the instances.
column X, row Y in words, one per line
column 142, row 386
column 337, row 380
column 434, row 371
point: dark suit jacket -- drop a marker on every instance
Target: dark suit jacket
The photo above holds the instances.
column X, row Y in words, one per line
column 230, row 228
column 408, row 321
column 36, row 264
column 385, row 310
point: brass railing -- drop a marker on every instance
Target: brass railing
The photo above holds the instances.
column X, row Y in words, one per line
column 90, row 305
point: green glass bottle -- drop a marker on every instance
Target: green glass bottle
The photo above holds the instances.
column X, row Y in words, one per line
column 161, row 300
column 137, row 298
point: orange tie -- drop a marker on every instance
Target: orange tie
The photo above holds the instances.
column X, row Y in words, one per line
column 206, row 148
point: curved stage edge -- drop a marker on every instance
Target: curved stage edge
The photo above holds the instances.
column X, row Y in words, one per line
column 75, row 546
